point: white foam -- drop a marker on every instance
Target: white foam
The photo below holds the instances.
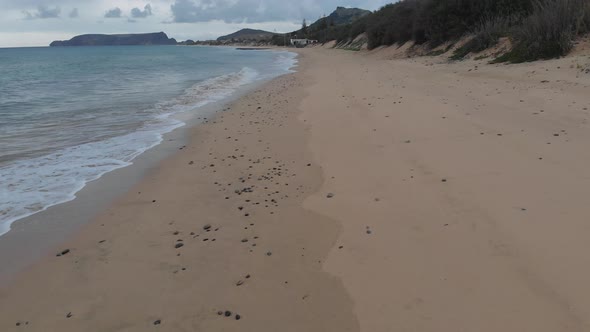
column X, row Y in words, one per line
column 33, row 185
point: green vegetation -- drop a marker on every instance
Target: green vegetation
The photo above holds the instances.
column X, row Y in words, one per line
column 549, row 31
column 538, row 29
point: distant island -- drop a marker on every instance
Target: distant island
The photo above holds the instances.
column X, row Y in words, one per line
column 157, row 38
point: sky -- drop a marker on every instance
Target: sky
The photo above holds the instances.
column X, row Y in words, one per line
column 39, row 22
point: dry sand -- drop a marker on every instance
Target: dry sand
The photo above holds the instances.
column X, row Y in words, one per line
column 359, row 194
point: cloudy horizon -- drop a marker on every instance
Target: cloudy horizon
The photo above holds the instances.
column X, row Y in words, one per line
column 38, row 22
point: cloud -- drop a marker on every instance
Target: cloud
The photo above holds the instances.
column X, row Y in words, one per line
column 185, row 11
column 43, row 11
column 256, row 11
column 138, row 13
column 113, row 13
column 74, row 13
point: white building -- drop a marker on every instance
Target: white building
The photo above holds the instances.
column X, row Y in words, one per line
column 302, row 42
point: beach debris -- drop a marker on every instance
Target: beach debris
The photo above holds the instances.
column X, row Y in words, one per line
column 240, row 283
column 207, row 227
column 238, row 317
column 158, row 322
column 63, row 252
column 69, row 314
column 330, row 195
column 369, row 231
column 268, row 253
column 443, row 180
column 244, row 240
column 227, row 313
column 179, row 245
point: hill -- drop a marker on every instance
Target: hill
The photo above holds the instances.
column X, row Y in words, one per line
column 339, row 17
column 247, row 35
column 157, row 38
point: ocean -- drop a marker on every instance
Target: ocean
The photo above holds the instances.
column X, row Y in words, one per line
column 70, row 115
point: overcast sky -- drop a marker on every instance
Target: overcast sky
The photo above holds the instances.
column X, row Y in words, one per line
column 38, row 22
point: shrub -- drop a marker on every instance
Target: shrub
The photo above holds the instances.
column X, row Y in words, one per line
column 548, row 32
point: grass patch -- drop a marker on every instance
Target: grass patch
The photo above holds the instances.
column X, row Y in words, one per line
column 487, row 35
column 435, row 53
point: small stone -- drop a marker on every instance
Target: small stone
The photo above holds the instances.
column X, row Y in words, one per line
column 240, row 283
column 238, row 317
column 69, row 315
column 207, row 227
column 179, row 245
column 227, row 313
column 63, row 252
column 158, row 322
column 269, row 253
column 244, row 240
column 330, row 195
column 220, row 312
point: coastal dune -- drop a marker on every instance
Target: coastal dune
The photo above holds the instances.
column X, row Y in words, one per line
column 358, row 194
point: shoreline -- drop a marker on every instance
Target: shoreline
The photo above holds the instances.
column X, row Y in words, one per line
column 358, row 194
column 202, row 254
column 34, row 235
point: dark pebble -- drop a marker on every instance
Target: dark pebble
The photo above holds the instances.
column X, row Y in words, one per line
column 238, row 317
column 179, row 245
column 158, row 322
column 228, row 313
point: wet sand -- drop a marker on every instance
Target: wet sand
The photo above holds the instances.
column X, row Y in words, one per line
column 359, row 194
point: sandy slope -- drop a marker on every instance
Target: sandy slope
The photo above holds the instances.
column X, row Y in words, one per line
column 459, row 204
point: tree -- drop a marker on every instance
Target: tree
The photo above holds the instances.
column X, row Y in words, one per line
column 304, row 28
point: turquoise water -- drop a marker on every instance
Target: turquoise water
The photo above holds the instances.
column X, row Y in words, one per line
column 70, row 115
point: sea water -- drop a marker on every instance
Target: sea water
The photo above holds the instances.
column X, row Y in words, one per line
column 69, row 115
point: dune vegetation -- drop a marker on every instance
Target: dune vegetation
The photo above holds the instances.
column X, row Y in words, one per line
column 538, row 29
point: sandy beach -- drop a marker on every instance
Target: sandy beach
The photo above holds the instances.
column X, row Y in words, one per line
column 366, row 192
